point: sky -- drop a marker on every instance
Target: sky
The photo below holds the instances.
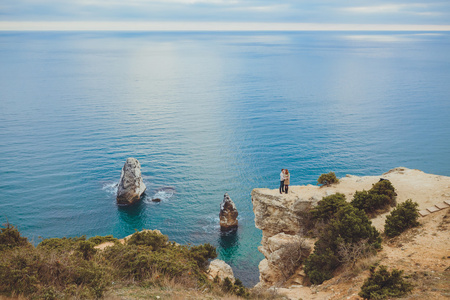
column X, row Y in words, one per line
column 224, row 14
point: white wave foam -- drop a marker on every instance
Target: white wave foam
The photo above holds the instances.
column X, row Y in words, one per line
column 164, row 194
column 213, row 224
column 111, row 188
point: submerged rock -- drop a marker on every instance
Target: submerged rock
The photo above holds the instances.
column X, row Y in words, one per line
column 131, row 186
column 228, row 214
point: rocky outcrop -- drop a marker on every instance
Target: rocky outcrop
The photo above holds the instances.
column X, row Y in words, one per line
column 228, row 214
column 279, row 217
column 284, row 254
column 131, row 186
column 218, row 268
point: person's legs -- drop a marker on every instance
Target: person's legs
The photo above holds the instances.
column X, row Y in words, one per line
column 286, row 188
column 281, row 187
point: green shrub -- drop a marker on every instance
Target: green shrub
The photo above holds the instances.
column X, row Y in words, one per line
column 327, row 179
column 227, row 285
column 236, row 288
column 61, row 244
column 381, row 195
column 149, row 238
column 404, row 216
column 319, row 266
column 97, row 240
column 140, row 262
column 10, row 238
column 383, row 284
column 202, row 254
column 86, row 249
column 328, row 207
column 18, row 272
column 348, row 226
column 384, row 187
column 369, row 202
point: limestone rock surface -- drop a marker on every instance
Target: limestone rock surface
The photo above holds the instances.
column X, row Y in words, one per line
column 131, row 186
column 220, row 269
column 228, row 214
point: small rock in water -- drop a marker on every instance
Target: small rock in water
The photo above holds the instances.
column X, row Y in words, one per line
column 228, row 214
column 156, row 200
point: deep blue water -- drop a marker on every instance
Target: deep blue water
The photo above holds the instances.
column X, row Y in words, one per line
column 205, row 114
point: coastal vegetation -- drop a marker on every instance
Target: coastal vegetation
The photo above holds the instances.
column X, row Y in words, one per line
column 404, row 216
column 66, row 268
column 381, row 196
column 344, row 232
column 383, row 284
column 344, row 226
column 327, row 179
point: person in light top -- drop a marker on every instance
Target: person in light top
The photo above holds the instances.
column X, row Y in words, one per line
column 282, row 181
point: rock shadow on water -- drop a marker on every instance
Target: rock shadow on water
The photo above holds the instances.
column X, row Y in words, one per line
column 228, row 244
column 133, row 216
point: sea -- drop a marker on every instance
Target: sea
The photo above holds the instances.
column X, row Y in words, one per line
column 207, row 113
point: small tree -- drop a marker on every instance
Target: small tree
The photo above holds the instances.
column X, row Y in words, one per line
column 370, row 202
column 10, row 237
column 327, row 179
column 383, row 284
column 328, row 207
column 384, row 187
column 404, row 216
column 348, row 227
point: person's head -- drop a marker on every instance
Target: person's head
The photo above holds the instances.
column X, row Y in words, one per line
column 286, row 171
column 282, row 170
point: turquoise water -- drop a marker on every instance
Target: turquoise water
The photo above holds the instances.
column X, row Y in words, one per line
column 205, row 114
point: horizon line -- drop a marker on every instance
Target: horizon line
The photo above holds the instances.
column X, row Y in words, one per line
column 208, row 26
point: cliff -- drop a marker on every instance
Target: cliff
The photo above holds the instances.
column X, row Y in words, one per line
column 279, row 216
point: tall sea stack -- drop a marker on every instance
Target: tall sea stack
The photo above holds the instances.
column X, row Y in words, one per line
column 228, row 214
column 131, row 187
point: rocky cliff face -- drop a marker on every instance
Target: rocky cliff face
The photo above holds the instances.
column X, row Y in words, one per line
column 279, row 218
column 131, row 186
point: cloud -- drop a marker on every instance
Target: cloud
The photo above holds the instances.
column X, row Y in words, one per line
column 280, row 11
column 266, row 8
column 387, row 8
column 417, row 9
column 209, row 26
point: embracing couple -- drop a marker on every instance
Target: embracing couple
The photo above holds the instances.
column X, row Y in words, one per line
column 284, row 181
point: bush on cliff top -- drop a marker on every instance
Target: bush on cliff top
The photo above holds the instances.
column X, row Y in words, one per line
column 385, row 187
column 328, row 207
column 381, row 195
column 404, row 216
column 327, row 179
